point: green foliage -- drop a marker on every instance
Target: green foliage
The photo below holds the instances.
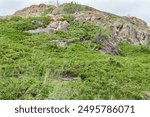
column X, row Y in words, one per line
column 74, row 7
column 67, row 17
column 28, row 88
column 127, row 49
column 48, row 11
column 113, row 18
column 81, row 30
column 33, row 67
column 92, row 46
column 16, row 18
column 28, row 23
column 105, row 33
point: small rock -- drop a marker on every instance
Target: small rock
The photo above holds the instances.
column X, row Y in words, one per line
column 41, row 30
column 61, row 43
column 145, row 95
column 57, row 17
column 93, row 18
column 88, row 19
column 53, row 25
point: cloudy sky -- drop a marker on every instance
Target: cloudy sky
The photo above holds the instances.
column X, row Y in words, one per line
column 138, row 8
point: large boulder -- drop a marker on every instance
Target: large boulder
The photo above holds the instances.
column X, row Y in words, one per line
column 125, row 33
column 63, row 25
column 109, row 44
column 59, row 25
column 130, row 34
column 51, row 28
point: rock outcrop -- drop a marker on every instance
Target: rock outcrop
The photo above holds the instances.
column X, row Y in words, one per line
column 91, row 16
column 34, row 10
column 122, row 33
column 123, row 29
column 129, row 33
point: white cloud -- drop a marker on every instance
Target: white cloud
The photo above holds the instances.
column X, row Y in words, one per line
column 138, row 8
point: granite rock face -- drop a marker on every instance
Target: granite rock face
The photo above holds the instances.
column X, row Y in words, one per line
column 124, row 29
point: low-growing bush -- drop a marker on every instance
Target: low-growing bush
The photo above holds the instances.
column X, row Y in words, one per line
column 48, row 11
column 33, row 67
column 29, row 23
column 16, row 18
column 74, row 7
column 104, row 32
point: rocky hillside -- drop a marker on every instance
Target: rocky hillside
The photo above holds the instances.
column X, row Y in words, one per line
column 34, row 10
column 73, row 52
column 122, row 29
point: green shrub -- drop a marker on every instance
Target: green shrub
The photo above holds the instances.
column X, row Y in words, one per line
column 67, row 17
column 28, row 88
column 113, row 18
column 28, row 23
column 16, row 18
column 48, row 11
column 92, row 46
column 105, row 33
column 74, row 7
column 127, row 49
column 31, row 66
column 145, row 49
column 81, row 30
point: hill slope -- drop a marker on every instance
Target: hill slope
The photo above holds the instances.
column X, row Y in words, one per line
column 69, row 52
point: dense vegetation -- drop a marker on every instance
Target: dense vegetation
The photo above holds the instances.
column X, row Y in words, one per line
column 74, row 7
column 33, row 67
